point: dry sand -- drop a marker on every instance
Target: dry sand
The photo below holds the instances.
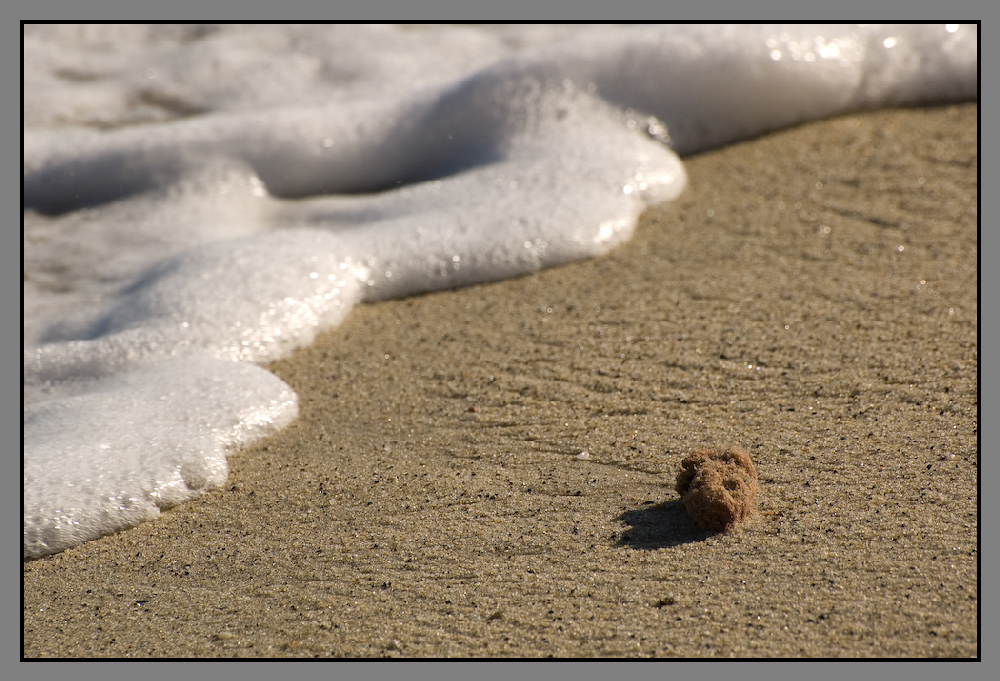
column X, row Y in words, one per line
column 812, row 297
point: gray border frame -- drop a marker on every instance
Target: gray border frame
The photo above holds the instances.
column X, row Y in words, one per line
column 444, row 10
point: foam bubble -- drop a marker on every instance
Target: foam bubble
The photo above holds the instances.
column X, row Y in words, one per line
column 127, row 446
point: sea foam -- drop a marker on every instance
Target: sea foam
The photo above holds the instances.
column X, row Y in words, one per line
column 199, row 200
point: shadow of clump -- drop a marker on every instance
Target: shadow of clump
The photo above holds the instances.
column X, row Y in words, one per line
column 660, row 526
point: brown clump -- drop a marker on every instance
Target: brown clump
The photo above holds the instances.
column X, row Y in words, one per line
column 718, row 487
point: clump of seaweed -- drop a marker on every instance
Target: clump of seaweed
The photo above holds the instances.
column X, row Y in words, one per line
column 718, row 487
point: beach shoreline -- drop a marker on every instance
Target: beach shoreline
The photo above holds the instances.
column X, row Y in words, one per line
column 489, row 471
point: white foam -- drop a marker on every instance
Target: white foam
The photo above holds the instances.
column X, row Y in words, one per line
column 200, row 199
column 140, row 441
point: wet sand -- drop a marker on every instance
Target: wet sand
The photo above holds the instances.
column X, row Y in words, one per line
column 811, row 298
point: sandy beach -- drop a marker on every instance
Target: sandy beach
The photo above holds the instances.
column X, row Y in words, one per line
column 489, row 472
